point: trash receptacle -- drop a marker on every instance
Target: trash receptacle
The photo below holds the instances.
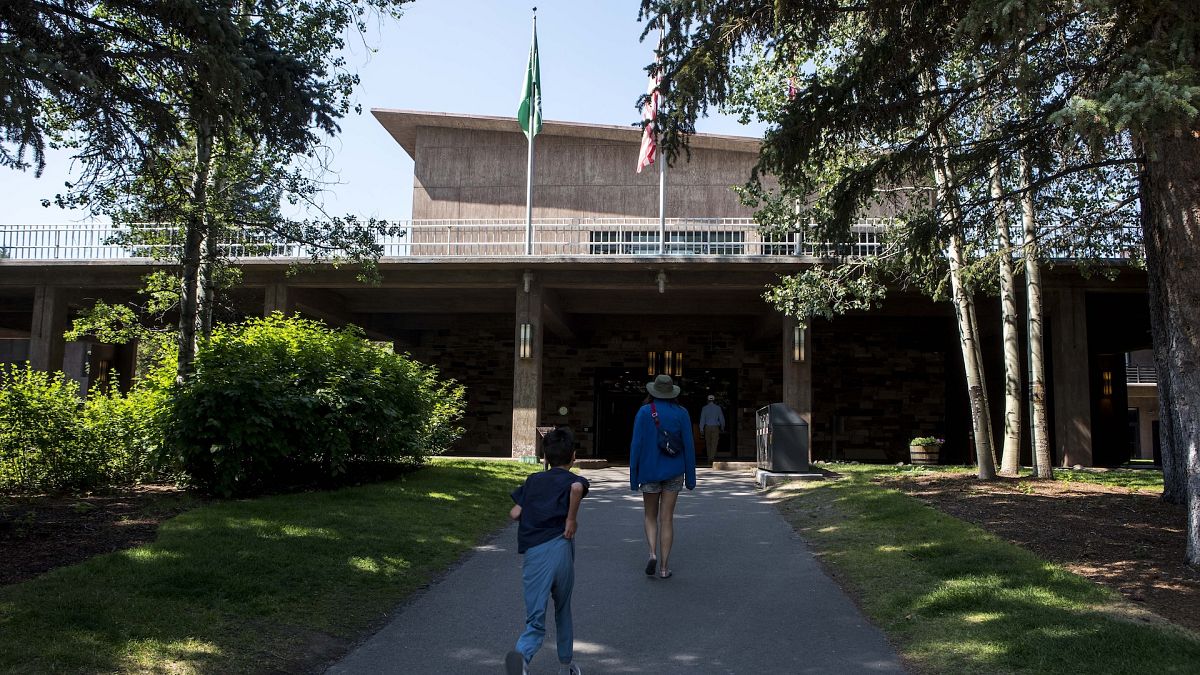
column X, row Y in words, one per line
column 781, row 436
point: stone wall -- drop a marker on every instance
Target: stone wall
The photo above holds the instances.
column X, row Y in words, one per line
column 477, row 352
column 884, row 379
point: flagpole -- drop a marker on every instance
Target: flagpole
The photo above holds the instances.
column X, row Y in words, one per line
column 661, row 158
column 529, row 169
column 662, row 202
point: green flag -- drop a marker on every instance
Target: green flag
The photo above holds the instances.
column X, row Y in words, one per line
column 529, row 115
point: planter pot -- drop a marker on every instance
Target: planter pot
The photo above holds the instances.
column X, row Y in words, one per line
column 923, row 454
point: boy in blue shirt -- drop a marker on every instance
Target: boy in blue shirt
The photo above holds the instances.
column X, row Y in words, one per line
column 547, row 506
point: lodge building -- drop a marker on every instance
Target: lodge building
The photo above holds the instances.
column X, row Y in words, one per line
column 570, row 334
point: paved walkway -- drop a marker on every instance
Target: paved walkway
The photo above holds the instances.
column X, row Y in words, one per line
column 746, row 597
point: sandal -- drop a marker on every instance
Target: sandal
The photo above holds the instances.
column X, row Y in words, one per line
column 665, row 574
column 651, row 565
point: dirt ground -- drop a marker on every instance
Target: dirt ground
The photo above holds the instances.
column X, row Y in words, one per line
column 1126, row 539
column 38, row 534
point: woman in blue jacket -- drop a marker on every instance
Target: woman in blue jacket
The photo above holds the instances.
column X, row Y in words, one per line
column 658, row 475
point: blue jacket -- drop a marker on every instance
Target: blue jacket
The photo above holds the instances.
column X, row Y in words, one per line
column 647, row 463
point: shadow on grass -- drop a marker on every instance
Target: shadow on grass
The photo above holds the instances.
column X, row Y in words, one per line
column 278, row 583
column 958, row 600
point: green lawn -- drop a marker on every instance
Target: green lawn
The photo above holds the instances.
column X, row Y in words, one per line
column 957, row 600
column 278, row 584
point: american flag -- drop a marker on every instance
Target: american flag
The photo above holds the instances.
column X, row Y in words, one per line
column 649, row 149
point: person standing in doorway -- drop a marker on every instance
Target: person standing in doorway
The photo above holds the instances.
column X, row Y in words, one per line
column 662, row 460
column 712, row 425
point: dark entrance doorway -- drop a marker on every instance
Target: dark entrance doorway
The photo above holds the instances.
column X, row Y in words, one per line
column 619, row 394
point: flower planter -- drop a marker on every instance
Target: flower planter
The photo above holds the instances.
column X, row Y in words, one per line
column 923, row 454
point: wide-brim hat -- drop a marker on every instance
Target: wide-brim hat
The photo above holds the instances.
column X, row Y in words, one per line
column 662, row 387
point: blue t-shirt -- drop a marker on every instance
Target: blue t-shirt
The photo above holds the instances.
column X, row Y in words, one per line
column 544, row 499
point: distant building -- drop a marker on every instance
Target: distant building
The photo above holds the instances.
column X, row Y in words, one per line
column 570, row 334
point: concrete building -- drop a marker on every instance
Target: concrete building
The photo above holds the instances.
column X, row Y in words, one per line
column 570, row 334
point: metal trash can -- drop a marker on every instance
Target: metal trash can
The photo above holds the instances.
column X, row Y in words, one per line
column 781, row 436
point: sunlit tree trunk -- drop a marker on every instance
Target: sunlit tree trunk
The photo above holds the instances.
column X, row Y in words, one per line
column 1010, row 457
column 1039, row 431
column 964, row 310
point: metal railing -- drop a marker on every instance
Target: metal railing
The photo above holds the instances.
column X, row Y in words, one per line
column 1137, row 374
column 738, row 237
column 454, row 238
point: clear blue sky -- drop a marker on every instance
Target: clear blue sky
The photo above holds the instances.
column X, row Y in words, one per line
column 460, row 56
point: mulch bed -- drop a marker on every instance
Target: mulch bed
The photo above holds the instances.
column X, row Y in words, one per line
column 41, row 533
column 1128, row 540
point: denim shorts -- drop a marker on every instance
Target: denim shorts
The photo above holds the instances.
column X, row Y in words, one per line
column 669, row 485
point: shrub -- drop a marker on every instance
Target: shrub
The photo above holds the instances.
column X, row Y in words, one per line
column 280, row 402
column 52, row 440
column 40, row 431
column 122, row 433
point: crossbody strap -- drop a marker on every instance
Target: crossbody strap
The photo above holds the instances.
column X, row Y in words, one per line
column 654, row 413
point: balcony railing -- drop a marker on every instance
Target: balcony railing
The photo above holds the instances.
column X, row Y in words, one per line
column 738, row 237
column 1138, row 374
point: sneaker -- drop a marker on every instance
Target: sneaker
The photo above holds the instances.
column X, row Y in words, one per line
column 514, row 664
column 569, row 669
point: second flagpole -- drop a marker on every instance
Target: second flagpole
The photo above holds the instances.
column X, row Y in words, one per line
column 529, row 167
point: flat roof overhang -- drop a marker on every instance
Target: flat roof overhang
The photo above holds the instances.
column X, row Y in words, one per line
column 403, row 125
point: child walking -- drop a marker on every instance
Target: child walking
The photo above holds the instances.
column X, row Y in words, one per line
column 547, row 506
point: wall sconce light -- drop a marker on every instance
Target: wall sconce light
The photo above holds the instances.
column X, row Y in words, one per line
column 662, row 281
column 526, row 350
column 678, row 372
column 527, row 278
column 668, row 362
column 1106, row 379
column 798, row 339
column 651, row 363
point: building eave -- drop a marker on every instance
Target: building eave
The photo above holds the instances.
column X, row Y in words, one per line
column 403, row 124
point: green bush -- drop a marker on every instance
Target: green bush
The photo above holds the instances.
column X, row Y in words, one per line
column 122, row 433
column 40, row 432
column 52, row 440
column 281, row 402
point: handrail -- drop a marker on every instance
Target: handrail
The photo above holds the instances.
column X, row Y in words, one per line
column 494, row 237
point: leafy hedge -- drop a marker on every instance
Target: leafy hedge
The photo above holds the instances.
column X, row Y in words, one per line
column 51, row 439
column 280, row 402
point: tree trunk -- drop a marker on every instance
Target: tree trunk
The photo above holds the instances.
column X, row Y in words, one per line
column 977, row 353
column 1171, row 191
column 191, row 255
column 208, row 280
column 1039, row 431
column 964, row 310
column 1010, row 457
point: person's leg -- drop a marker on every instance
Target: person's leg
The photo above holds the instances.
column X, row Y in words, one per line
column 666, row 530
column 650, row 520
column 564, row 584
column 537, row 579
column 712, row 436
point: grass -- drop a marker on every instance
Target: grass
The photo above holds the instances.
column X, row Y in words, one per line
column 957, row 600
column 1134, row 479
column 280, row 583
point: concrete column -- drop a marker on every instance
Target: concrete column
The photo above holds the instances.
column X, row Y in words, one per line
column 527, row 372
column 46, row 344
column 276, row 299
column 797, row 374
column 1066, row 310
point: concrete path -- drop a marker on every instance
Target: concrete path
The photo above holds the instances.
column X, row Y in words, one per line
column 746, row 597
